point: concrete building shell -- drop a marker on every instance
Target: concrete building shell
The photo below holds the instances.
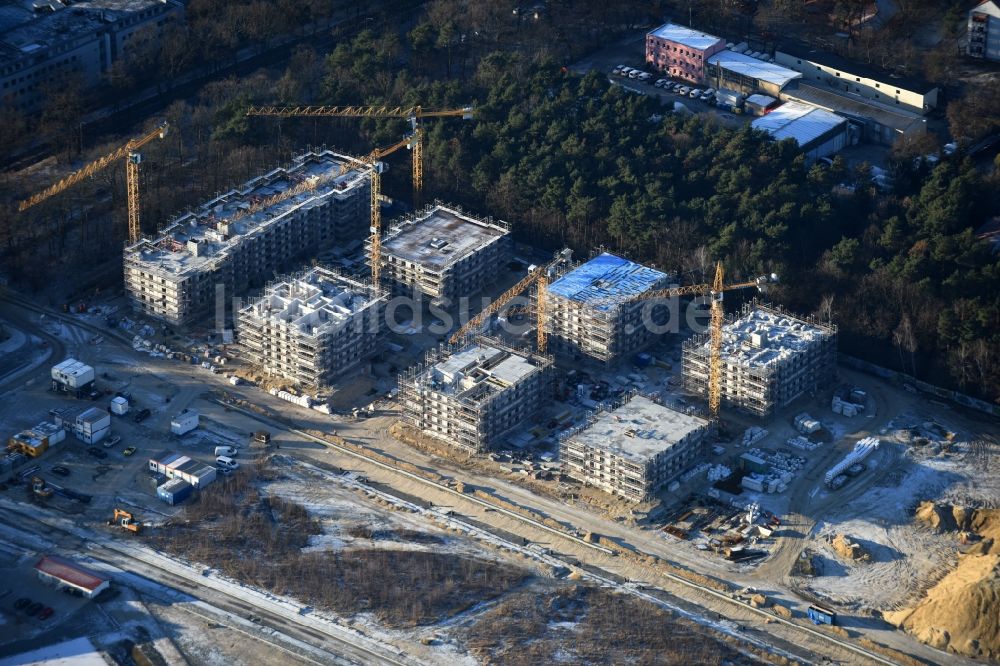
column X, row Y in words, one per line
column 769, row 358
column 582, row 318
column 240, row 239
column 444, row 253
column 634, row 450
column 472, row 396
column 313, row 326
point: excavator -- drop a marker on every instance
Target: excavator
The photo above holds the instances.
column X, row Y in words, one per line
column 40, row 488
column 126, row 520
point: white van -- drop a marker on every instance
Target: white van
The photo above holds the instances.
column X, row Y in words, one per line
column 226, row 451
column 227, row 462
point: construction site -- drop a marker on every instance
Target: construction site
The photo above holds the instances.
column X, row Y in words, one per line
column 312, row 327
column 444, row 253
column 633, row 450
column 769, row 358
column 584, row 315
column 473, row 396
column 240, row 239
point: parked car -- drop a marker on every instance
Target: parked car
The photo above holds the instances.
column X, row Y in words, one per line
column 34, row 609
column 634, row 74
column 129, row 451
column 22, row 603
column 141, row 415
column 645, row 76
column 694, row 93
column 112, row 441
column 96, row 453
column 660, row 83
column 46, row 613
column 617, row 69
column 60, row 470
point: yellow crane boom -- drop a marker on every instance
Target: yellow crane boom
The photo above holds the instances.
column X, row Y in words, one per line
column 128, row 151
column 411, row 113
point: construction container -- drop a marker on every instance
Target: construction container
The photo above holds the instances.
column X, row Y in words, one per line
column 184, row 422
column 92, row 425
column 73, row 374
column 119, row 406
column 174, row 491
column 176, row 465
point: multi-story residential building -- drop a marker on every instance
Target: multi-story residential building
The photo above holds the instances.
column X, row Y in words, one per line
column 769, row 358
column 634, row 450
column 312, row 327
column 444, row 253
column 984, row 31
column 243, row 238
column 680, row 51
column 473, row 396
column 42, row 49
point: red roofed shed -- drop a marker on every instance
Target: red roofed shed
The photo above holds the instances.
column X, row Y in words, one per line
column 63, row 573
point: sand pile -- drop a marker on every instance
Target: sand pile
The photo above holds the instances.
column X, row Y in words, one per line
column 961, row 613
column 849, row 550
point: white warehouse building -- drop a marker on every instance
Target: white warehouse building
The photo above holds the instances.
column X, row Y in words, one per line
column 818, row 132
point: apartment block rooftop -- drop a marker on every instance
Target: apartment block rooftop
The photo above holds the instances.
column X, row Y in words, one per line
column 315, row 302
column 197, row 240
column 25, row 31
column 606, row 278
column 440, row 236
column 481, row 370
column 638, row 430
column 763, row 337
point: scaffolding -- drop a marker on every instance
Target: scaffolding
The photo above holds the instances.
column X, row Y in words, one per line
column 312, row 327
column 769, row 358
column 473, row 395
column 443, row 252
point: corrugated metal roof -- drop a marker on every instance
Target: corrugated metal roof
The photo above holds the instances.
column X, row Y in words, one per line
column 694, row 39
column 757, row 69
column 761, row 100
column 794, row 120
column 606, row 277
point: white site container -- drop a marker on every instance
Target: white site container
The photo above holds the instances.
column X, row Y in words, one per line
column 73, row 373
column 92, row 425
column 119, row 406
column 184, row 422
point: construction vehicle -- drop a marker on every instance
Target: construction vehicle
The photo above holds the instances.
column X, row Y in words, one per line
column 130, row 153
column 126, row 520
column 413, row 114
column 40, row 488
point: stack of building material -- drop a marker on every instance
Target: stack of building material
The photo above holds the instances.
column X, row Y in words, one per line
column 861, row 451
column 753, row 435
column 806, row 424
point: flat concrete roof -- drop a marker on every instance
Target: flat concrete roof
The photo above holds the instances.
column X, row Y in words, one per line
column 606, row 278
column 795, row 120
column 439, row 237
column 216, row 234
column 851, row 104
column 480, row 370
column 689, row 37
column 761, row 70
column 639, row 430
column 764, row 337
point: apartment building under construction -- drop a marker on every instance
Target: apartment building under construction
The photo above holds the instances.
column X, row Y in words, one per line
column 472, row 396
column 633, row 450
column 444, row 253
column 584, row 314
column 241, row 239
column 769, row 358
column 310, row 328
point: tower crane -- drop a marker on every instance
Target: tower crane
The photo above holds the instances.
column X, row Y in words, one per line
column 130, row 153
column 411, row 113
column 538, row 276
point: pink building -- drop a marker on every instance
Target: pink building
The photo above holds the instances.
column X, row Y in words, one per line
column 681, row 52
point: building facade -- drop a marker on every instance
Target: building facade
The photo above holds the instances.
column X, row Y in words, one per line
column 444, row 254
column 858, row 79
column 634, row 450
column 241, row 239
column 769, row 358
column 984, row 31
column 473, row 396
column 42, row 50
column 584, row 314
column 312, row 327
column 680, row 51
